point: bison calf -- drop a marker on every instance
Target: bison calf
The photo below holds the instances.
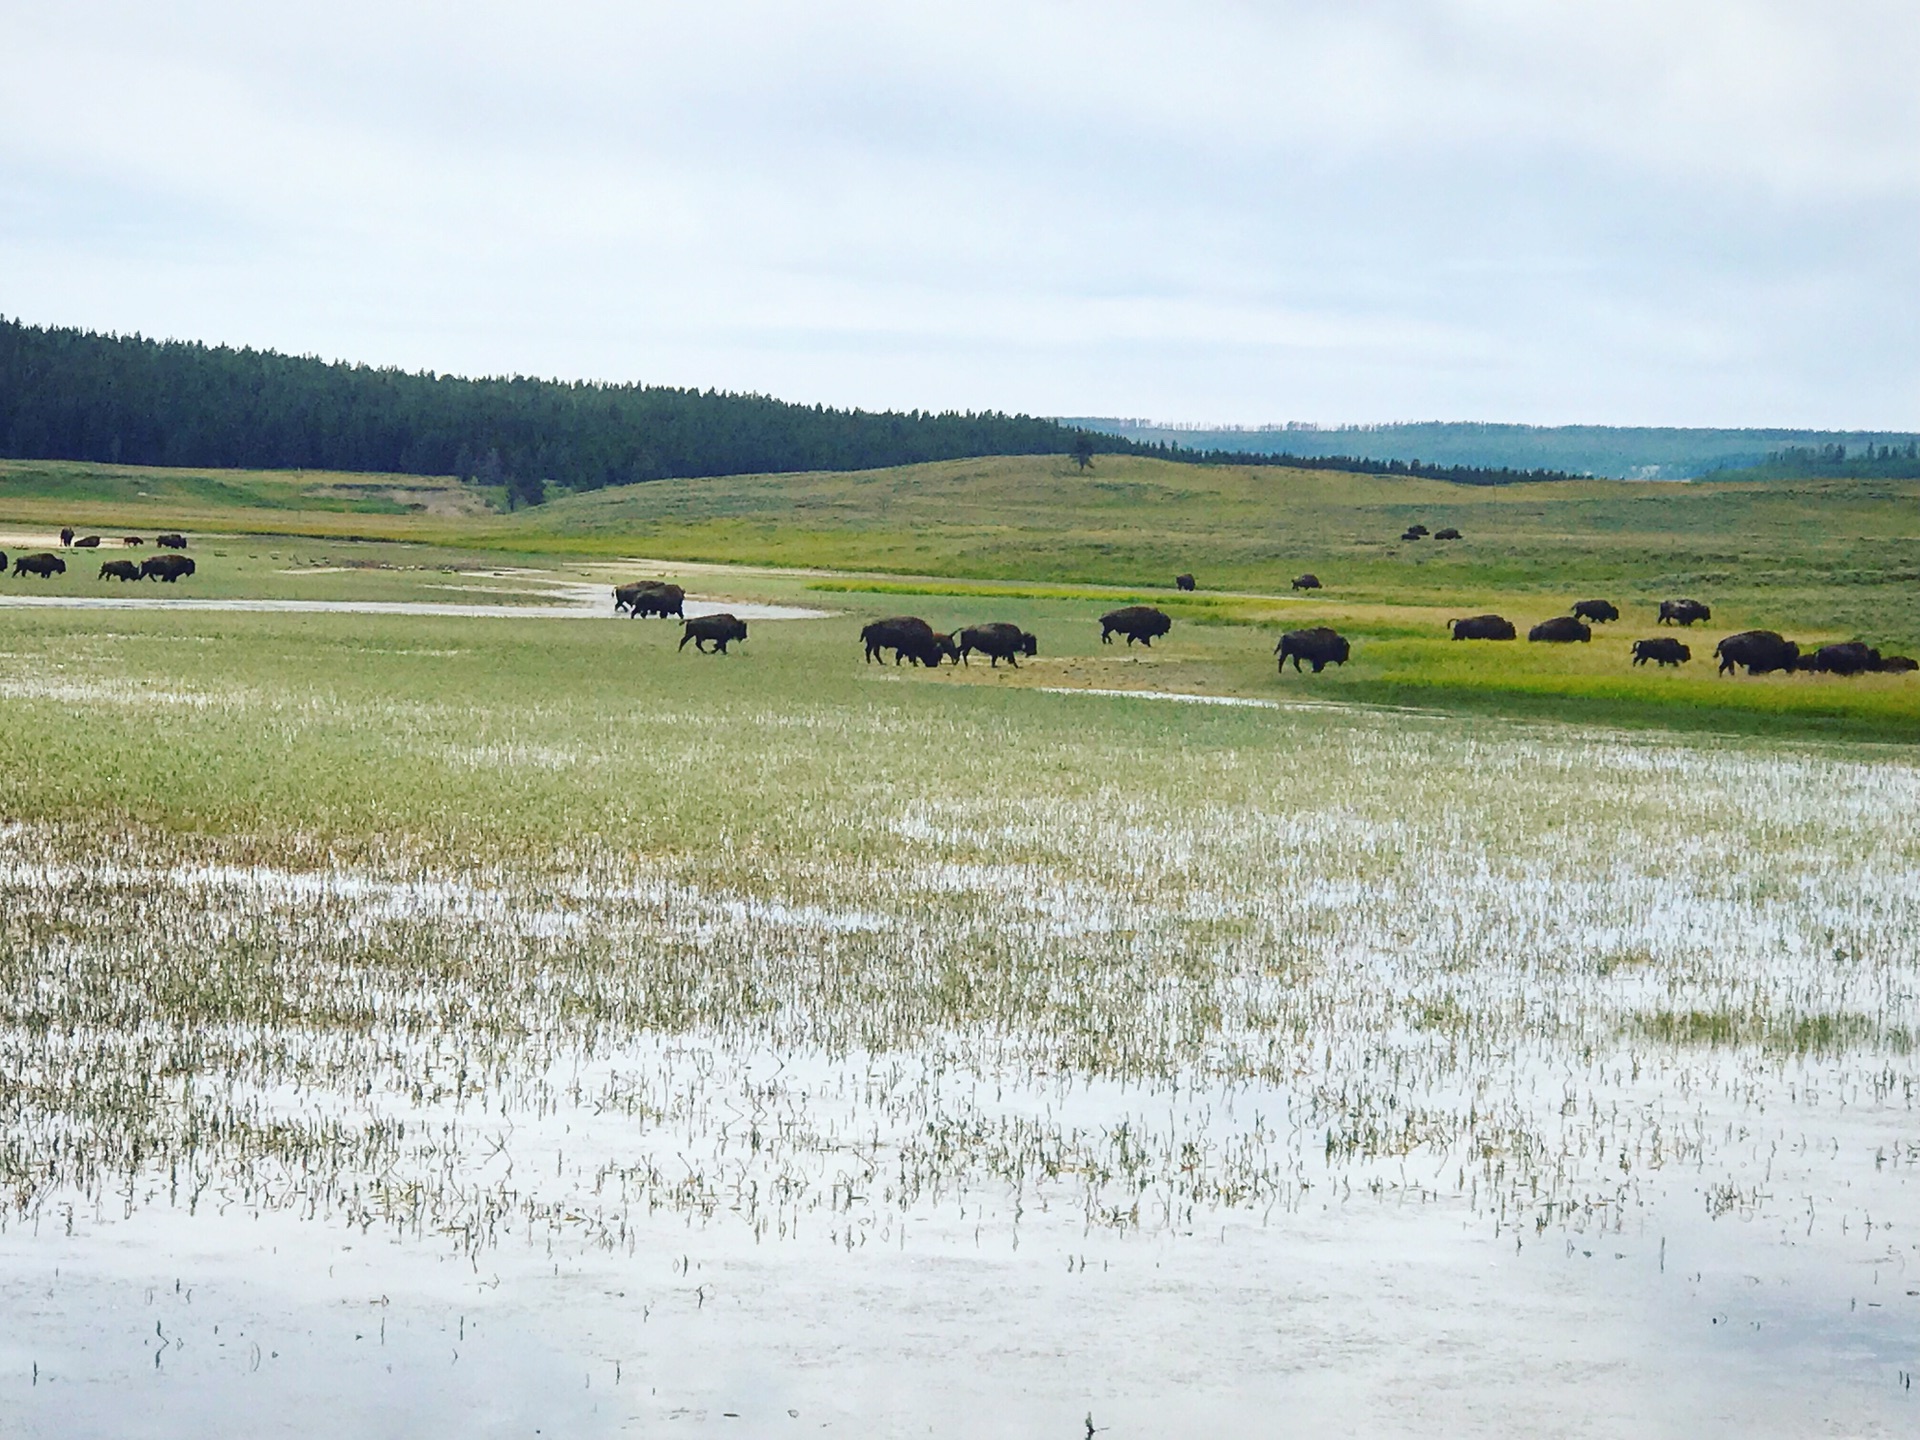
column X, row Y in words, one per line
column 1683, row 612
column 1663, row 651
column 1183, row 582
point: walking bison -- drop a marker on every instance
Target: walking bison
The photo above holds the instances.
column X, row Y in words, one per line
column 714, row 630
column 1183, row 582
column 1308, row 581
column 1136, row 622
column 1664, row 651
column 1597, row 612
column 44, row 564
column 119, row 570
column 1449, row 533
column 910, row 638
column 998, row 641
column 1319, row 647
column 171, row 541
column 132, row 542
column 1482, row 627
column 1850, row 657
column 650, row 597
column 66, row 536
column 165, row 567
column 1760, row 651
column 1561, row 630
column 1683, row 612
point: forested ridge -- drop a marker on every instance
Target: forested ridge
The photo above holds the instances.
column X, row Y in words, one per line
column 69, row 394
column 77, row 395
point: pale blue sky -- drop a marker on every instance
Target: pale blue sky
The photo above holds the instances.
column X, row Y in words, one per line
column 1633, row 211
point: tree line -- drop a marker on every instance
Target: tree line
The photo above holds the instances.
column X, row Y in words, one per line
column 68, row 394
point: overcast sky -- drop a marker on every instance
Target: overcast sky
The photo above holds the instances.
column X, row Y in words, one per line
column 1628, row 211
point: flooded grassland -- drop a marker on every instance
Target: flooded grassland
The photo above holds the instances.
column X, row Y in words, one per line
column 476, row 1028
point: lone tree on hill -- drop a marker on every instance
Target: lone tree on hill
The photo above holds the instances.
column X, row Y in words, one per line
column 1083, row 451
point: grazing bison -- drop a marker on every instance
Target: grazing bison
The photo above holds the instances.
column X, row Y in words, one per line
column 1183, row 582
column 132, row 542
column 171, row 541
column 1596, row 612
column 1851, row 657
column 1319, row 647
column 1482, row 627
column 999, row 641
column 650, row 597
column 66, row 536
column 1665, row 651
column 1416, row 530
column 43, row 565
column 1413, row 534
column 87, row 542
column 165, row 567
column 119, row 570
column 1447, row 534
column 1308, row 581
column 715, row 630
column 1683, row 612
column 1561, row 630
column 1136, row 622
column 910, row 638
column 1761, row 651
column 1898, row 664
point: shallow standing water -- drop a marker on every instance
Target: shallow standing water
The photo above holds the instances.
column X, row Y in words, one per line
column 1579, row 1104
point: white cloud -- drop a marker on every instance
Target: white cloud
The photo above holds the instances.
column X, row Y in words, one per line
column 1690, row 211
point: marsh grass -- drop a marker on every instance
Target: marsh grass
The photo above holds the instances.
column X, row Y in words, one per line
column 521, row 929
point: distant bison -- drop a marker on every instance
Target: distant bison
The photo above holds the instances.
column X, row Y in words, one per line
column 1415, row 531
column 1319, row 647
column 650, row 597
column 1665, row 651
column 132, row 541
column 1761, row 651
column 165, row 567
column 999, row 641
column 171, row 541
column 1308, row 581
column 1482, row 627
column 87, row 542
column 1447, row 534
column 66, row 536
column 1684, row 612
column 120, row 570
column 1561, row 630
column 715, row 630
column 1183, row 582
column 1890, row 664
column 43, row 565
column 1851, row 657
column 1136, row 622
column 910, row 638
column 1598, row 612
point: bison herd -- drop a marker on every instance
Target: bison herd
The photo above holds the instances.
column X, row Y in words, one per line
column 168, row 568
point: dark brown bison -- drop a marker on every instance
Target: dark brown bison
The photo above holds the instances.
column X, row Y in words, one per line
column 1561, row 630
column 1664, row 651
column 165, row 567
column 119, row 570
column 1596, row 612
column 1898, row 664
column 87, row 542
column 171, row 541
column 910, row 638
column 1482, row 627
column 1308, row 581
column 714, row 630
column 1761, row 651
column 1319, row 647
column 1850, row 657
column 1447, row 534
column 1413, row 534
column 999, row 641
column 1183, row 582
column 650, row 597
column 44, row 564
column 132, row 542
column 66, row 536
column 1136, row 622
column 1683, row 612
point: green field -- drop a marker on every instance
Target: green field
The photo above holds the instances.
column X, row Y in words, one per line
column 1037, row 541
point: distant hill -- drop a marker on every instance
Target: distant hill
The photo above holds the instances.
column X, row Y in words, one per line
column 1621, row 452
column 123, row 399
